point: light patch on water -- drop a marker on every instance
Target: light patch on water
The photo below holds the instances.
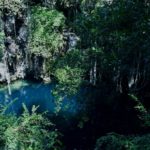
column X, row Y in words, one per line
column 15, row 85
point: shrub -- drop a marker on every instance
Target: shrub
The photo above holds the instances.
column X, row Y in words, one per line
column 115, row 141
column 46, row 25
column 31, row 131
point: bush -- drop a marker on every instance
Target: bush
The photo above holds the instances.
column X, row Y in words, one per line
column 115, row 141
column 28, row 132
column 46, row 26
column 14, row 6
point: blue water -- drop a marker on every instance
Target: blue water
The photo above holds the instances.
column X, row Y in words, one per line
column 38, row 94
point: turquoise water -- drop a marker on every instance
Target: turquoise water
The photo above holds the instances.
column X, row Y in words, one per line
column 38, row 94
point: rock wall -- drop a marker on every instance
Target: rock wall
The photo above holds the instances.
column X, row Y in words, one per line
column 17, row 61
column 14, row 60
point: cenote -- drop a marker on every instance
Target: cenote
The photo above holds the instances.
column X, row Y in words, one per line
column 38, row 94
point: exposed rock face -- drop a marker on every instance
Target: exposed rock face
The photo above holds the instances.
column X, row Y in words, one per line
column 14, row 55
column 3, row 71
column 71, row 39
column 17, row 61
column 35, row 66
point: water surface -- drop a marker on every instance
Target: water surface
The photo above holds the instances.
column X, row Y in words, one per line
column 38, row 94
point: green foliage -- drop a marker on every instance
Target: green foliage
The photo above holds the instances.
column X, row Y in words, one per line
column 14, row 6
column 28, row 132
column 141, row 111
column 114, row 44
column 141, row 142
column 69, row 78
column 120, row 30
column 69, row 71
column 5, row 122
column 115, row 141
column 46, row 26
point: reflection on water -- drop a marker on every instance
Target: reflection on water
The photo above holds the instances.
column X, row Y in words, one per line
column 38, row 94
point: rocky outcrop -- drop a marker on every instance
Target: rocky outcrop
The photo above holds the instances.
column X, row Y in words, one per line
column 14, row 60
column 17, row 61
column 35, row 66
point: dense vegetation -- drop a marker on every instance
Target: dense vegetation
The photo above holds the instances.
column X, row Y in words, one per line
column 31, row 131
column 110, row 59
column 117, row 142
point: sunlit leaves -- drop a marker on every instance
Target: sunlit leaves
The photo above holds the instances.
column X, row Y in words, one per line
column 46, row 27
column 69, row 78
column 14, row 6
column 31, row 131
